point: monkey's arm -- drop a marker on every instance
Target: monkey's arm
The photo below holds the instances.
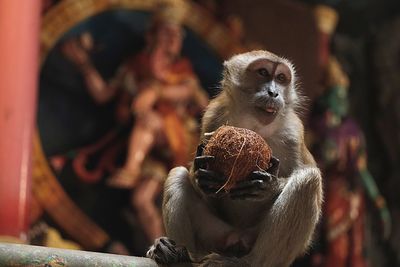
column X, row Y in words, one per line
column 185, row 214
column 288, row 227
column 216, row 114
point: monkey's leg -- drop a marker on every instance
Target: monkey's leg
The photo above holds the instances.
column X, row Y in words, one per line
column 188, row 220
column 287, row 228
column 217, row 260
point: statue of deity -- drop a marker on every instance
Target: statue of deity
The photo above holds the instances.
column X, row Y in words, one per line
column 160, row 90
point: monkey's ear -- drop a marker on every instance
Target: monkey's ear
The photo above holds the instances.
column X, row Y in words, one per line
column 226, row 73
column 231, row 74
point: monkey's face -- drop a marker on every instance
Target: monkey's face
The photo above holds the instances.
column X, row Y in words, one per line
column 267, row 84
column 261, row 82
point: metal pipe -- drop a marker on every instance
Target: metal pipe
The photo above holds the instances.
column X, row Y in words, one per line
column 15, row 255
column 19, row 53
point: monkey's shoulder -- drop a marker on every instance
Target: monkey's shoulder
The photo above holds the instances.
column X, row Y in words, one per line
column 215, row 115
column 291, row 130
column 287, row 144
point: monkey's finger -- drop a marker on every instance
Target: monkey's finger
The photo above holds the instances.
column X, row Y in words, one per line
column 260, row 175
column 209, row 184
column 274, row 166
column 252, row 189
column 162, row 258
column 162, row 254
column 246, row 197
column 248, row 184
column 165, row 247
column 207, row 175
column 201, row 161
column 200, row 149
column 168, row 242
column 209, row 187
column 214, row 193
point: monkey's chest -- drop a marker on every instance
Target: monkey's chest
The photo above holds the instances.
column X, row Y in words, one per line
column 245, row 219
column 240, row 214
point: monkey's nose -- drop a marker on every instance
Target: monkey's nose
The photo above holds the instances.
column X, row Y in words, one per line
column 272, row 93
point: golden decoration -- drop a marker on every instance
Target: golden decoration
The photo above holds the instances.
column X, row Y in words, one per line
column 11, row 239
column 336, row 75
column 170, row 11
column 326, row 18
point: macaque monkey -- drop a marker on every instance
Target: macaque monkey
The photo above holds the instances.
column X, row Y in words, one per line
column 266, row 220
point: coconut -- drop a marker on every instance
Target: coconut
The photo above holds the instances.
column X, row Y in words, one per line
column 237, row 153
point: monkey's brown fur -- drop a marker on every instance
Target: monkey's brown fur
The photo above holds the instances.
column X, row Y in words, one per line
column 258, row 93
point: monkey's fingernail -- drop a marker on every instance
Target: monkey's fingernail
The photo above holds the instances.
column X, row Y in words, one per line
column 209, row 133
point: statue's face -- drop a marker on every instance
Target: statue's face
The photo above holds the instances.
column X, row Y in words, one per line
column 169, row 36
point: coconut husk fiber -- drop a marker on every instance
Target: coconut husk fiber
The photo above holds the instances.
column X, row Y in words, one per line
column 238, row 152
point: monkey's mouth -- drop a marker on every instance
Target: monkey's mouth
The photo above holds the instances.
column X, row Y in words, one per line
column 270, row 111
column 266, row 115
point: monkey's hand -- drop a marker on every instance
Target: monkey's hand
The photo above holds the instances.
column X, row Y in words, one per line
column 166, row 252
column 208, row 181
column 260, row 185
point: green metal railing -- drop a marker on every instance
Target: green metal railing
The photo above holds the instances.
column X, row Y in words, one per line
column 13, row 255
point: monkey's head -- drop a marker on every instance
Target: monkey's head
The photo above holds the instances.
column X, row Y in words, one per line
column 262, row 82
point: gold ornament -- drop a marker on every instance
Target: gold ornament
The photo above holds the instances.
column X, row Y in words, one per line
column 170, row 11
column 326, row 18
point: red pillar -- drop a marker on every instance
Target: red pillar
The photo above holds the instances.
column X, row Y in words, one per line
column 19, row 50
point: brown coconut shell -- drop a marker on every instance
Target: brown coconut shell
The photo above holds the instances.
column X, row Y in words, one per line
column 238, row 152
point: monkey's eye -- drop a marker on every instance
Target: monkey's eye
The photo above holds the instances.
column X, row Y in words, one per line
column 281, row 78
column 263, row 72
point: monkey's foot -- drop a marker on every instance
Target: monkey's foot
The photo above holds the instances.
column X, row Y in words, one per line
column 210, row 182
column 217, row 260
column 236, row 244
column 165, row 251
column 273, row 166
